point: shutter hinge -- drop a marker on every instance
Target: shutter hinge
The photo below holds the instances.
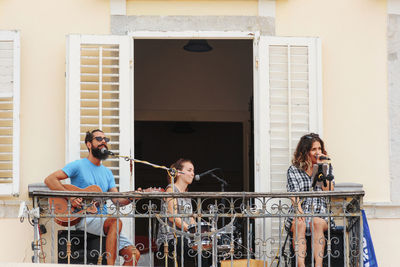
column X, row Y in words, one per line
column 257, row 61
column 131, row 63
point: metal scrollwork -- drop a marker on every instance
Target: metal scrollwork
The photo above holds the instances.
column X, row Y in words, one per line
column 240, row 225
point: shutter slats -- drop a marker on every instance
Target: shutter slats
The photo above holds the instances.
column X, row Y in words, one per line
column 96, row 100
column 96, row 49
column 7, row 120
column 83, row 134
column 103, row 125
column 83, row 109
column 97, row 75
column 97, row 83
column 96, row 117
column 111, row 66
column 289, row 112
column 99, row 97
column 92, row 91
column 6, row 68
column 97, row 66
column 84, row 150
column 7, row 55
column 6, row 52
column 288, row 71
column 98, row 58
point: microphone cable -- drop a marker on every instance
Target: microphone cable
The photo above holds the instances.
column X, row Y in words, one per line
column 172, row 172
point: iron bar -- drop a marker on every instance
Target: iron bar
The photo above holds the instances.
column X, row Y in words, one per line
column 243, row 212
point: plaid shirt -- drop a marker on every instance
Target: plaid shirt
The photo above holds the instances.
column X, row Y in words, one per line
column 299, row 181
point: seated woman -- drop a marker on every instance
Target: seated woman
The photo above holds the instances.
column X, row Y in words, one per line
column 308, row 152
column 182, row 206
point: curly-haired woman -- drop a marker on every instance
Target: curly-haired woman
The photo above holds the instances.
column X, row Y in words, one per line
column 308, row 152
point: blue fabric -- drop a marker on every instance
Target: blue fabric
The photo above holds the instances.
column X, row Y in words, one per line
column 369, row 257
column 84, row 173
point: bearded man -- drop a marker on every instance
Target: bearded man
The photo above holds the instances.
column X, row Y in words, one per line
column 89, row 171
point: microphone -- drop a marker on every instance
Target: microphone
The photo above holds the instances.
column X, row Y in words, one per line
column 319, row 174
column 197, row 176
column 105, row 151
column 322, row 157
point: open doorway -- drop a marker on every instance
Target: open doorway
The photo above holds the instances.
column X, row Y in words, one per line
column 194, row 105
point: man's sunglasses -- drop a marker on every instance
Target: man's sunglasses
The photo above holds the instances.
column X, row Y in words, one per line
column 99, row 138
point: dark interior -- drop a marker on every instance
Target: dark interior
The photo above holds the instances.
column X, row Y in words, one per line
column 208, row 144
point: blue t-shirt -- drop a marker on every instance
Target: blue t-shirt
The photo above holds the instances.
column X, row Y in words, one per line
column 84, row 173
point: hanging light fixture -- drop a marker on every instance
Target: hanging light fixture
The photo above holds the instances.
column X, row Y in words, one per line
column 197, row 46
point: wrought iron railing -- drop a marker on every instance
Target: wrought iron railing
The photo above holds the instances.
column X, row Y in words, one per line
column 228, row 227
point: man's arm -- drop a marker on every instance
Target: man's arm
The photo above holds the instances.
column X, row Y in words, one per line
column 53, row 180
column 122, row 201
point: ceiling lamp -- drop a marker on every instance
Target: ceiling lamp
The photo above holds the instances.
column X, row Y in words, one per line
column 197, row 46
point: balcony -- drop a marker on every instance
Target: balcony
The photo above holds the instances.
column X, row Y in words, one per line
column 241, row 228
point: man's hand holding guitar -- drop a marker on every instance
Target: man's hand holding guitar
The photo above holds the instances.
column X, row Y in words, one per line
column 61, row 204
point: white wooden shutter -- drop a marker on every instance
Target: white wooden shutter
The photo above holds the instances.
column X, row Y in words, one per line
column 289, row 100
column 9, row 112
column 100, row 96
column 294, row 100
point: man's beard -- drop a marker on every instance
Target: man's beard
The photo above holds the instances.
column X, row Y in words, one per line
column 96, row 152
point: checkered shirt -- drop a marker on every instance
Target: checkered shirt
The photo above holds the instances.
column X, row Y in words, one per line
column 299, row 181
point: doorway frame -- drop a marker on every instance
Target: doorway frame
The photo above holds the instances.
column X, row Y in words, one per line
column 260, row 98
column 261, row 136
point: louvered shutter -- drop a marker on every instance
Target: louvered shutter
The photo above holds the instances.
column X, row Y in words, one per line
column 9, row 112
column 294, row 100
column 289, row 105
column 100, row 96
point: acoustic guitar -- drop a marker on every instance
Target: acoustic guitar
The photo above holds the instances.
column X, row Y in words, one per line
column 61, row 204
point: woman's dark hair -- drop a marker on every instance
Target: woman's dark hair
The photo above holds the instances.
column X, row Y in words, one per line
column 178, row 165
column 89, row 136
column 300, row 157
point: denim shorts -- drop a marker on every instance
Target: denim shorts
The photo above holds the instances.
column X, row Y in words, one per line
column 95, row 225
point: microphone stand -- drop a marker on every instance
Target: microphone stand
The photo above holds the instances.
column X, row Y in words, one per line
column 330, row 176
column 223, row 184
column 319, row 175
column 171, row 171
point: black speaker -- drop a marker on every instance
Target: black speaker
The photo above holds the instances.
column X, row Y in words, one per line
column 77, row 248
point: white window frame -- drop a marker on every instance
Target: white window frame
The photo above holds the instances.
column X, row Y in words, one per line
column 13, row 188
